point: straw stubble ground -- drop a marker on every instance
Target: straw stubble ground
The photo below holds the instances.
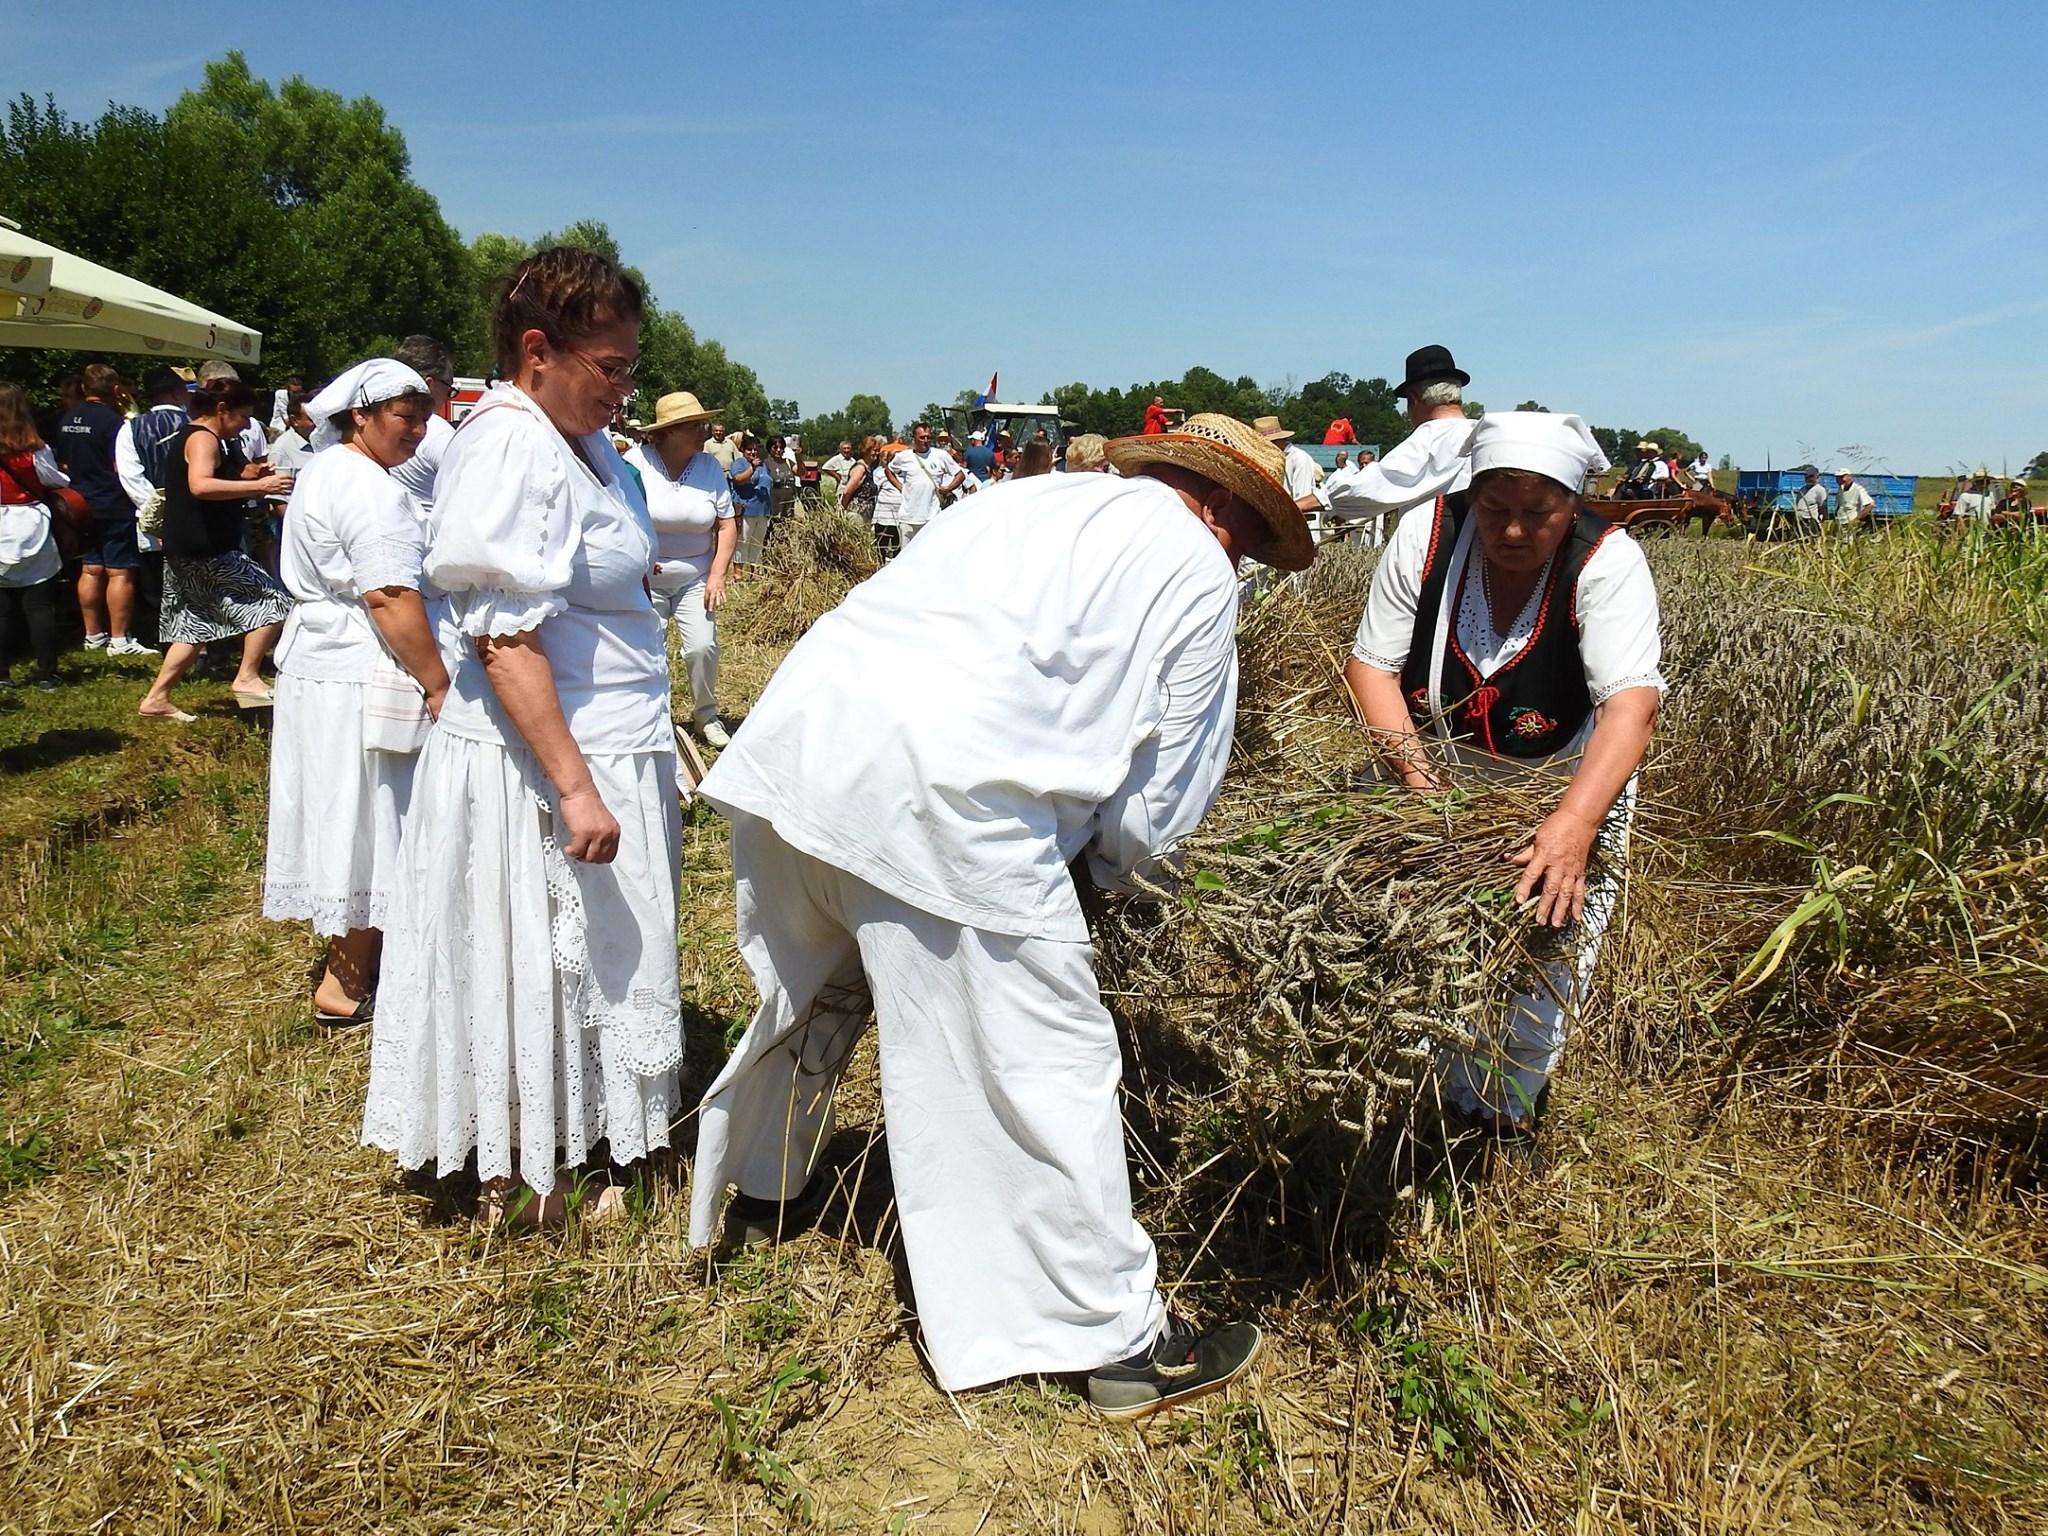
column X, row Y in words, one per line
column 217, row 1312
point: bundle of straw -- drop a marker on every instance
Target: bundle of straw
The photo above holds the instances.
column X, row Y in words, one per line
column 815, row 556
column 1332, row 930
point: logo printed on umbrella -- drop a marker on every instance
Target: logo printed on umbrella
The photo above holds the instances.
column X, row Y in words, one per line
column 92, row 307
column 20, row 270
column 32, row 307
column 154, row 343
column 245, row 346
column 212, row 337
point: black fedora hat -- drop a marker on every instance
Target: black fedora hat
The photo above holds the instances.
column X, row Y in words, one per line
column 1428, row 365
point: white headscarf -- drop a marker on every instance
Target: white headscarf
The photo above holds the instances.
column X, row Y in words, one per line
column 1559, row 447
column 367, row 384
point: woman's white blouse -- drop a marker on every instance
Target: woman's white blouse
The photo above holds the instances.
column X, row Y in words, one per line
column 28, row 553
column 525, row 537
column 1620, row 644
column 685, row 510
column 348, row 529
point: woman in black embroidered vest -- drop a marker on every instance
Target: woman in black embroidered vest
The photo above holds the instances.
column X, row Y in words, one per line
column 1513, row 632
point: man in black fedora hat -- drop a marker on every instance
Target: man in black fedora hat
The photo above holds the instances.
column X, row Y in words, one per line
column 1430, row 462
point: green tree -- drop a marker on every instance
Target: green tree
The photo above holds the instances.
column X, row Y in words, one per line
column 2037, row 466
column 288, row 209
column 863, row 416
column 1671, row 443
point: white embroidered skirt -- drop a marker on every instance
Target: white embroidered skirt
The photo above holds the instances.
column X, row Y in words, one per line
column 528, row 1006
column 335, row 811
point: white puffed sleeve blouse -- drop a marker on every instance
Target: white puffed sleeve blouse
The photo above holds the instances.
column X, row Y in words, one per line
column 526, row 537
column 348, row 530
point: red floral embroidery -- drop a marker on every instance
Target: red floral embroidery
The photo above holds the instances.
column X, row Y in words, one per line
column 1531, row 723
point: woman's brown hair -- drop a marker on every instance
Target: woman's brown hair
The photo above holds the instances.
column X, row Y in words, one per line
column 17, row 422
column 212, row 396
column 565, row 293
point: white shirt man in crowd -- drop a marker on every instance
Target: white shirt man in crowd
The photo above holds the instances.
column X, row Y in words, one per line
column 839, row 466
column 1429, row 462
column 1976, row 504
column 1302, row 470
column 293, row 446
column 912, row 800
column 925, row 474
column 1811, row 506
column 721, row 447
column 1649, row 476
column 432, row 361
column 1854, row 506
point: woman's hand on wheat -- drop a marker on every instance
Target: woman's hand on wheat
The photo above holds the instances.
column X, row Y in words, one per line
column 1553, row 883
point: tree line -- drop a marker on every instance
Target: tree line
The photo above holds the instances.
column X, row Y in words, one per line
column 294, row 211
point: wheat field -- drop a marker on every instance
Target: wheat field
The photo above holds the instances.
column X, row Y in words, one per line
column 1783, row 1266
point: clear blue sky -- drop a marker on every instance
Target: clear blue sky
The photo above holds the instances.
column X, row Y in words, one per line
column 1779, row 226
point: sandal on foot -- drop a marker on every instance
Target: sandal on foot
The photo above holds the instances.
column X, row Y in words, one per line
column 362, row 1013
column 178, row 715
column 254, row 698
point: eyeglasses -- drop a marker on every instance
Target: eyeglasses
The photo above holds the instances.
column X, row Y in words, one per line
column 618, row 375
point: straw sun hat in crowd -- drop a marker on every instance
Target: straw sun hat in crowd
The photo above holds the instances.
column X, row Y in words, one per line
column 676, row 410
column 1242, row 461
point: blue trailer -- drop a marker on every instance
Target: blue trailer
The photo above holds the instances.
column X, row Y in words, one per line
column 1779, row 488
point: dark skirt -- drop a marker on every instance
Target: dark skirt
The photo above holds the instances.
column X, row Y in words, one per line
column 218, row 599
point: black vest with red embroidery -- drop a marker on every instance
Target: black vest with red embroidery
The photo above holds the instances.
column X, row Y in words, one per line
column 1534, row 704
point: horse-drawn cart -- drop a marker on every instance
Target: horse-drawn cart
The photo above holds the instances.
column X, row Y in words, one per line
column 1667, row 514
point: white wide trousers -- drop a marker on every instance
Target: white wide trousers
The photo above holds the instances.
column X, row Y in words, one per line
column 1000, row 1070
column 683, row 606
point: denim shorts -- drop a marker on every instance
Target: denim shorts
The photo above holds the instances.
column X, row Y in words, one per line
column 113, row 545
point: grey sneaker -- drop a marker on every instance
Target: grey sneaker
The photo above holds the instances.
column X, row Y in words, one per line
column 96, row 642
column 128, row 645
column 715, row 734
column 1178, row 1367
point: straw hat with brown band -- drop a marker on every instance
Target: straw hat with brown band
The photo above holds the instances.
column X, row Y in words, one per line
column 1243, row 462
column 676, row 410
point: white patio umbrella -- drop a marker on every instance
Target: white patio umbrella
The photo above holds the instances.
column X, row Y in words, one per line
column 50, row 298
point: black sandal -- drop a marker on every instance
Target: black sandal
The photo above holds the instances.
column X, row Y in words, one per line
column 362, row 1013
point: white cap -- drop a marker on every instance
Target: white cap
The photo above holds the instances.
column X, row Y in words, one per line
column 1845, row 474
column 977, row 437
column 368, row 383
column 1559, row 447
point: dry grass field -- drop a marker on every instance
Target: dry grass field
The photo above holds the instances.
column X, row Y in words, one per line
column 1783, row 1269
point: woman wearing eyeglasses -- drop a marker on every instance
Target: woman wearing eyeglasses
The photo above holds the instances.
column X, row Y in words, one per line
column 528, row 1007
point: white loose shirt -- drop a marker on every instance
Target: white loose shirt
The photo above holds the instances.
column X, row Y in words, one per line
column 1851, row 503
column 685, row 512
column 1054, row 675
column 524, row 537
column 417, row 474
column 1620, row 644
column 923, row 475
column 1300, row 473
column 1429, row 462
column 348, row 530
column 1971, row 506
column 838, row 467
column 1812, row 505
column 290, row 453
column 1659, row 470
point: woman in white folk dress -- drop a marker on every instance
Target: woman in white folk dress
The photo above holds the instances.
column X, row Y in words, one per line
column 696, row 529
column 351, row 555
column 528, row 1007
column 1513, row 633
